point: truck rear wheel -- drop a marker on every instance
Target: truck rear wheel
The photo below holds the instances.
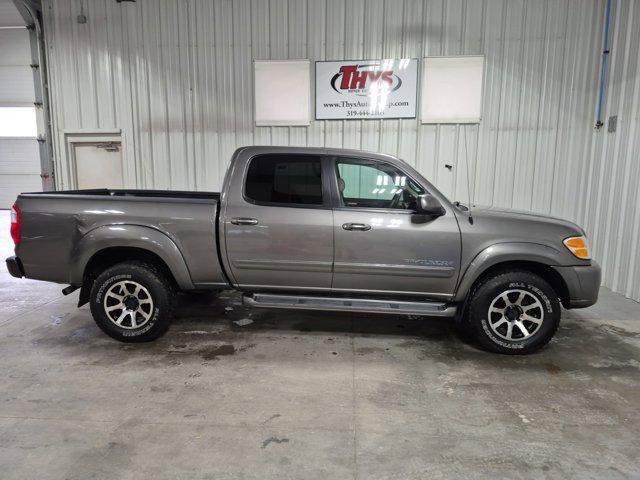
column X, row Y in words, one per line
column 513, row 313
column 132, row 302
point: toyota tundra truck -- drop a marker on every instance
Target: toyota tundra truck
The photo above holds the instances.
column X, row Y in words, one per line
column 313, row 229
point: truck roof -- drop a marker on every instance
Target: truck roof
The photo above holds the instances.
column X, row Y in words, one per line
column 264, row 149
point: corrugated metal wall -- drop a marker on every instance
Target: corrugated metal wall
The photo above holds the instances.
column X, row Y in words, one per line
column 611, row 206
column 176, row 78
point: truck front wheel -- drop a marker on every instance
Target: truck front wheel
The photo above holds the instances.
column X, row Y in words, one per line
column 514, row 312
column 132, row 302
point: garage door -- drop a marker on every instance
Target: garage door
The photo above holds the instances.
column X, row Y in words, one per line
column 19, row 154
column 19, row 169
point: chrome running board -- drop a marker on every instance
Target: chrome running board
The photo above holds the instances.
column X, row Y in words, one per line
column 367, row 305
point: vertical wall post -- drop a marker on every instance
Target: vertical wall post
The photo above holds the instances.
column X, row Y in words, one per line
column 603, row 68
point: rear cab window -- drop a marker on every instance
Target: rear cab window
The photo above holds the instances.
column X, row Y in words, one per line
column 284, row 180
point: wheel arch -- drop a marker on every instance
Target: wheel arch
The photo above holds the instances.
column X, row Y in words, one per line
column 534, row 258
column 105, row 246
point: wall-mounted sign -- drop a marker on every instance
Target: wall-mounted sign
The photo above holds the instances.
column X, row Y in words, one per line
column 357, row 89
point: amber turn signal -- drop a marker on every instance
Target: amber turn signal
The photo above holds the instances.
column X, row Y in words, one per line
column 578, row 246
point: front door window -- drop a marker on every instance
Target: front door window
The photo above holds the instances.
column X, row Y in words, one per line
column 368, row 184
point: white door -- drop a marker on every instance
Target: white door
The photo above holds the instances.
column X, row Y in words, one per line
column 98, row 165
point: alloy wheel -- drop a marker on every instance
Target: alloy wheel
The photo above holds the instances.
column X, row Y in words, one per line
column 515, row 315
column 128, row 304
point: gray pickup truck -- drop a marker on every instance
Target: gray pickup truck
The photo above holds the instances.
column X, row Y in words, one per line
column 308, row 228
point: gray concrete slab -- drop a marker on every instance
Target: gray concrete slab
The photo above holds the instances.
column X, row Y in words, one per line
column 309, row 395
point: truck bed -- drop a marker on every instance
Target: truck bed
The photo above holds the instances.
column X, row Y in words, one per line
column 104, row 192
column 61, row 231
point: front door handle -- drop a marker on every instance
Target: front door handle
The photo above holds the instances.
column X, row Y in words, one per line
column 244, row 221
column 363, row 227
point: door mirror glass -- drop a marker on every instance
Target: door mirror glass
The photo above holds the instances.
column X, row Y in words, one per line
column 429, row 205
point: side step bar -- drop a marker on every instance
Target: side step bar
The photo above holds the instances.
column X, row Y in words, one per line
column 269, row 300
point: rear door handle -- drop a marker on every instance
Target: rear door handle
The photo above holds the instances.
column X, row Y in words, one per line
column 244, row 221
column 363, row 227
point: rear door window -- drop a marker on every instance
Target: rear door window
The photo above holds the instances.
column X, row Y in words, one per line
column 284, row 180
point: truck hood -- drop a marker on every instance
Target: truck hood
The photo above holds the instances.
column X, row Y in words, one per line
column 523, row 219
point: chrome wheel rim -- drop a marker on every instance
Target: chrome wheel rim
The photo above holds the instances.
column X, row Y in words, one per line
column 128, row 304
column 515, row 315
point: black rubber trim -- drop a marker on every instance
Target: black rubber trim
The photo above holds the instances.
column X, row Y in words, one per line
column 14, row 265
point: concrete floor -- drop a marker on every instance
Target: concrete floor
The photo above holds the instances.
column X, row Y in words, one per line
column 309, row 395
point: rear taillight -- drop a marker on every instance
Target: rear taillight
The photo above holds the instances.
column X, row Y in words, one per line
column 15, row 224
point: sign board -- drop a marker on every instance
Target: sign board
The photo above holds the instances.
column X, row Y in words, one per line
column 361, row 89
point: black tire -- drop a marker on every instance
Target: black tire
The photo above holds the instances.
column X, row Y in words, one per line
column 490, row 329
column 153, row 318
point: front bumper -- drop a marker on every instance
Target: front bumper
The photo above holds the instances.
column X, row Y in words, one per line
column 14, row 265
column 583, row 284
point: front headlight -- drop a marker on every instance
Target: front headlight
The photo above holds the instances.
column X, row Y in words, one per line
column 578, row 246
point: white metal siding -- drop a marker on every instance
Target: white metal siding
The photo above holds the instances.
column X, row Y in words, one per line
column 611, row 200
column 176, row 77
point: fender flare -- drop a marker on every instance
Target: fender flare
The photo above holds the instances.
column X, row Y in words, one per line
column 501, row 253
column 129, row 236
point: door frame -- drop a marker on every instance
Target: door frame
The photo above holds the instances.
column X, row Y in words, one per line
column 234, row 194
column 337, row 206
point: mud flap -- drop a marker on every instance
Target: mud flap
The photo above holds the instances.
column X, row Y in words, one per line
column 85, row 293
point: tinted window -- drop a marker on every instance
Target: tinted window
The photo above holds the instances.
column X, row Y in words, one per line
column 370, row 184
column 285, row 179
